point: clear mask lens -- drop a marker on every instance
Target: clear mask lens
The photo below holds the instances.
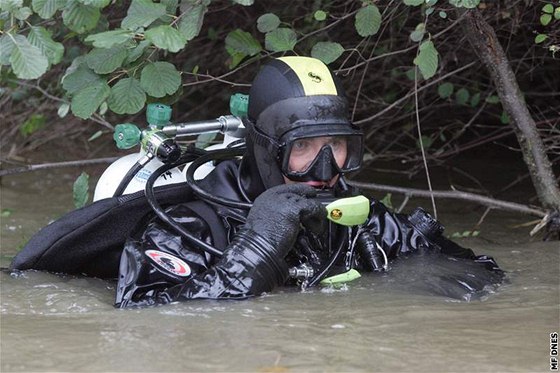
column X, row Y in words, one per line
column 322, row 157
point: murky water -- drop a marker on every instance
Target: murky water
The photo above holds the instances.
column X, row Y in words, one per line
column 377, row 323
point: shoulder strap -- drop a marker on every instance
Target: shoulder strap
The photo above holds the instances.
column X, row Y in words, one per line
column 207, row 213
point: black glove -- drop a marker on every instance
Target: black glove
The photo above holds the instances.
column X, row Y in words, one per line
column 278, row 214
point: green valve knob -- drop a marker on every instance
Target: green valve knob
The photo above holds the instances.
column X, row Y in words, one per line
column 158, row 115
column 126, row 135
column 239, row 105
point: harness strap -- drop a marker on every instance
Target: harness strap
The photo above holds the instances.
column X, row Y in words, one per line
column 216, row 226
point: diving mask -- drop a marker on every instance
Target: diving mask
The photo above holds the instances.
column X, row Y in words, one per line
column 319, row 157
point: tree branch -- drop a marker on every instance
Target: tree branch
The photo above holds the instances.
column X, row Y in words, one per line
column 44, row 166
column 486, row 45
column 452, row 194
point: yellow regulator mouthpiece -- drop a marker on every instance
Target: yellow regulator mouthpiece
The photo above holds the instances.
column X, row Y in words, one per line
column 348, row 211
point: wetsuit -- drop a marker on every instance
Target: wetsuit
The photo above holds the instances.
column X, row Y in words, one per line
column 388, row 234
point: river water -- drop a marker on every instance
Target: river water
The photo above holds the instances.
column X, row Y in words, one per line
column 376, row 323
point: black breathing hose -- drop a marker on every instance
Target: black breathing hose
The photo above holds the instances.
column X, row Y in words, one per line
column 150, row 196
column 126, row 179
column 210, row 156
column 323, row 271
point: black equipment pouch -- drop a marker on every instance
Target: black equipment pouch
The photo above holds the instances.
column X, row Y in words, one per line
column 90, row 240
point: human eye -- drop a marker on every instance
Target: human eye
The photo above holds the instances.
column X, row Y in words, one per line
column 300, row 145
column 337, row 143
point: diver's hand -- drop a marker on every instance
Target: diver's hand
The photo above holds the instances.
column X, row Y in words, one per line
column 278, row 213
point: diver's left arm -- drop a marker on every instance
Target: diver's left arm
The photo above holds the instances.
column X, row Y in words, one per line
column 401, row 234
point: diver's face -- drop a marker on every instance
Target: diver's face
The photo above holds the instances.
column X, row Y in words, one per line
column 304, row 151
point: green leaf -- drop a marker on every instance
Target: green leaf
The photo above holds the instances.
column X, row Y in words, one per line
column 557, row 13
column 548, row 8
column 33, row 124
column 280, row 40
column 80, row 190
column 96, row 3
column 79, row 17
column 410, row 74
column 426, row 142
column 6, row 213
column 243, row 43
column 462, row 96
column 327, row 51
column 475, row 99
column 191, row 21
column 445, row 90
column 427, row 59
column 10, row 5
column 470, row 4
column 236, row 57
column 387, row 201
column 6, row 48
column 95, row 136
column 106, row 60
column 160, row 79
column 368, row 21
column 41, row 38
column 244, row 2
column 87, row 100
column 23, row 13
column 78, row 76
column 545, row 19
column 413, row 2
column 63, row 110
column 28, row 62
column 47, row 8
column 108, row 39
column 166, row 37
column 418, row 34
column 170, row 6
column 320, row 15
column 442, row 14
column 103, row 108
column 493, row 99
column 268, row 22
column 504, row 118
column 127, row 97
column 142, row 13
column 136, row 52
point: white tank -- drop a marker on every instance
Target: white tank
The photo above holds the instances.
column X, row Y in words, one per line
column 111, row 178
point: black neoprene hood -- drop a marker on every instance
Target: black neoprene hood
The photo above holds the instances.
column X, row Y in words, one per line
column 290, row 98
column 277, row 81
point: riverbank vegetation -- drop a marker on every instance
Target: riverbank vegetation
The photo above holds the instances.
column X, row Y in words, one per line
column 427, row 79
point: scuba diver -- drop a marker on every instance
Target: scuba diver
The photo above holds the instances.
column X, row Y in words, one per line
column 300, row 144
